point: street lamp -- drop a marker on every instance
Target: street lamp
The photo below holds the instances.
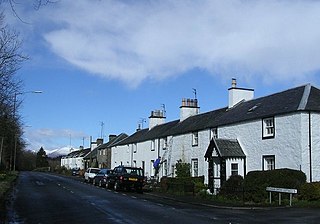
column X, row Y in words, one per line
column 14, row 115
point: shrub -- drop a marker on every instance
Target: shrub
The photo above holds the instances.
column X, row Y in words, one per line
column 310, row 191
column 255, row 182
column 233, row 188
column 182, row 185
column 183, row 169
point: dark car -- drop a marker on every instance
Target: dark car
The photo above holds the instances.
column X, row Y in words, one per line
column 75, row 171
column 124, row 177
column 101, row 177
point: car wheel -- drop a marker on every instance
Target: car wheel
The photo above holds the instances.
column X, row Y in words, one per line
column 116, row 186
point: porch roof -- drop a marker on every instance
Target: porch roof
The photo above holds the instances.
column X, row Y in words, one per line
column 225, row 148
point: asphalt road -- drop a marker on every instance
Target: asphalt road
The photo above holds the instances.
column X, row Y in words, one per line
column 46, row 198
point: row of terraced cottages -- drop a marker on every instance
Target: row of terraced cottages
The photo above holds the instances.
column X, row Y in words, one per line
column 281, row 130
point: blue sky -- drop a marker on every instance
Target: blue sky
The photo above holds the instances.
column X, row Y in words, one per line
column 116, row 61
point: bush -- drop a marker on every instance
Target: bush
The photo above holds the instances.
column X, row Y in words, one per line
column 255, row 182
column 310, row 191
column 183, row 169
column 233, row 188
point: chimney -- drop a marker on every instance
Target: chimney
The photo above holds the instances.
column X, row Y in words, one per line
column 188, row 108
column 157, row 117
column 237, row 95
column 97, row 143
column 111, row 137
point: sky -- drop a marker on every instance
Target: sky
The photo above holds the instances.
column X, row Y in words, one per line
column 113, row 62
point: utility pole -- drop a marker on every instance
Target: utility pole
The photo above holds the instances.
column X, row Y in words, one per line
column 102, row 124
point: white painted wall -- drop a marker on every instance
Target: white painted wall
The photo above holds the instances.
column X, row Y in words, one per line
column 290, row 146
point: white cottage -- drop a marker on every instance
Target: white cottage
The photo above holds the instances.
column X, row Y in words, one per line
column 281, row 130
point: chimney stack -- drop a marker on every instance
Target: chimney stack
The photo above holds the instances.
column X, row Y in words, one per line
column 189, row 108
column 236, row 95
column 157, row 117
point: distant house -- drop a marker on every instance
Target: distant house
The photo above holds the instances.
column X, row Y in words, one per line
column 104, row 150
column 74, row 160
column 281, row 130
column 90, row 160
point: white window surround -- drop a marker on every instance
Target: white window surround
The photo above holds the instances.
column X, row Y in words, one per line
column 194, row 167
column 195, row 138
column 234, row 169
column 268, row 162
column 153, row 145
column 268, row 127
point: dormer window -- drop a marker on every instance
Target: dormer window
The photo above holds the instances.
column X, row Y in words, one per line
column 268, row 127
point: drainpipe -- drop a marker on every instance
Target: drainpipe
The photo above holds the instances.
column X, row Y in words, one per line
column 310, row 147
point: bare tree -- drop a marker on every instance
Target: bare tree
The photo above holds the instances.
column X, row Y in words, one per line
column 11, row 58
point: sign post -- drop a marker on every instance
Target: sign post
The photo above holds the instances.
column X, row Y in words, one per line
column 281, row 190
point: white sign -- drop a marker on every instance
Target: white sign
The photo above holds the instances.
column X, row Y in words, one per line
column 282, row 190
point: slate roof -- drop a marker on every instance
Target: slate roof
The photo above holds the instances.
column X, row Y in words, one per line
column 78, row 153
column 117, row 139
column 225, row 148
column 302, row 98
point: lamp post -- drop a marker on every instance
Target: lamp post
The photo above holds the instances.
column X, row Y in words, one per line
column 14, row 115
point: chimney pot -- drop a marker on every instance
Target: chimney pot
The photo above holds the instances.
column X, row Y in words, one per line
column 234, row 83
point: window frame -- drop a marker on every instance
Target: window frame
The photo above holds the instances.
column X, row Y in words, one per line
column 266, row 127
column 234, row 171
column 266, row 159
column 164, row 143
column 194, row 169
column 153, row 145
column 195, row 138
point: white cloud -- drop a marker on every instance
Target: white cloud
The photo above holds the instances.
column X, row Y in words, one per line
column 137, row 40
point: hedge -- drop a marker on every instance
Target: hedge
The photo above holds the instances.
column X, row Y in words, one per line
column 310, row 191
column 182, row 185
column 255, row 182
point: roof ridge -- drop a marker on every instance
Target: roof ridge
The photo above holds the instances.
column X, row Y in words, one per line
column 305, row 97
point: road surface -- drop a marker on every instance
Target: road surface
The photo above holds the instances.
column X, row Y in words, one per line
column 47, row 198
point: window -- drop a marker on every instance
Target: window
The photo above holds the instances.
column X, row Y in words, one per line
column 268, row 128
column 165, row 168
column 143, row 165
column 268, row 162
column 194, row 167
column 151, row 168
column 195, row 139
column 153, row 145
column 234, row 169
column 213, row 133
column 165, row 143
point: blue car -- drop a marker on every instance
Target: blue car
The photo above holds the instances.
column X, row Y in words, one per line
column 101, row 178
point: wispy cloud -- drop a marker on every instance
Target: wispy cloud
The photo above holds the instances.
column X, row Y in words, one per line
column 137, row 40
column 52, row 139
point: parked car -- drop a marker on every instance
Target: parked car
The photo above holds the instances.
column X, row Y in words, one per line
column 101, row 177
column 90, row 174
column 123, row 177
column 75, row 171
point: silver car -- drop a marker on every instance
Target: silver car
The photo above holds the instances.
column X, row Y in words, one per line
column 90, row 174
